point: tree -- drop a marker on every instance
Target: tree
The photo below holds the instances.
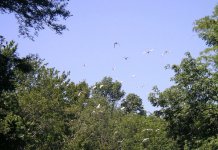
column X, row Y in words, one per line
column 9, row 63
column 35, row 15
column 207, row 29
column 34, row 102
column 190, row 106
column 44, row 96
column 91, row 128
column 96, row 129
column 134, row 131
column 12, row 126
column 133, row 103
column 109, row 89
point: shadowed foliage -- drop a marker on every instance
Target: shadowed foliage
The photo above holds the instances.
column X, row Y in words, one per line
column 34, row 15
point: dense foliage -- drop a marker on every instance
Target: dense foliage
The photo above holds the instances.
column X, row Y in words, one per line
column 41, row 108
column 207, row 29
column 190, row 106
column 11, row 123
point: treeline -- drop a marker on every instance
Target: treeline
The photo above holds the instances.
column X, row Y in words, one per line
column 41, row 108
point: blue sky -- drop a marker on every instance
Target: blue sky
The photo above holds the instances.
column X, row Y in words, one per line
column 136, row 25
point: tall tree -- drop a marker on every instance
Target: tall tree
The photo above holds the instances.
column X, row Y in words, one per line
column 207, row 29
column 35, row 14
column 190, row 106
column 12, row 127
column 109, row 89
column 9, row 63
column 44, row 96
column 133, row 103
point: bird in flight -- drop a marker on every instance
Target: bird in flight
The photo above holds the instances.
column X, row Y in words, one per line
column 167, row 66
column 133, row 76
column 125, row 58
column 116, row 43
column 164, row 53
column 148, row 51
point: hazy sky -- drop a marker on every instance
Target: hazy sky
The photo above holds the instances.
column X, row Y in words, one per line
column 137, row 25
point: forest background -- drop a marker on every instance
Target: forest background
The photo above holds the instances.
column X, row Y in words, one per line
column 41, row 108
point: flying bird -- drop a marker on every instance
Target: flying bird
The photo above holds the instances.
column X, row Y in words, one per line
column 167, row 66
column 125, row 58
column 116, row 43
column 164, row 53
column 133, row 76
column 148, row 51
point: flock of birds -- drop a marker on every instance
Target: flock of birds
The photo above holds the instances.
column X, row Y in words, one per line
column 99, row 107
column 145, row 52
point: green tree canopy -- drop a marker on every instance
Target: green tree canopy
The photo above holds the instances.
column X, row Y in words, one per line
column 12, row 126
column 108, row 89
column 43, row 109
column 132, row 103
column 43, row 105
column 190, row 106
column 9, row 63
column 207, row 29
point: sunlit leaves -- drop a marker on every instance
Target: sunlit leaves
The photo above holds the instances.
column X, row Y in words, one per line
column 189, row 106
